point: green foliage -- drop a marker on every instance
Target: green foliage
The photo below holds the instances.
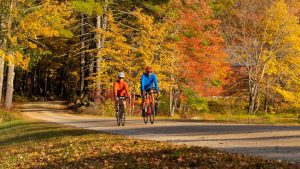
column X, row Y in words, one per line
column 164, row 105
column 226, row 106
column 205, row 42
column 64, row 33
column 154, row 8
column 154, row 2
column 189, row 33
column 195, row 101
column 216, row 83
column 89, row 7
column 219, row 6
column 175, row 38
column 230, row 109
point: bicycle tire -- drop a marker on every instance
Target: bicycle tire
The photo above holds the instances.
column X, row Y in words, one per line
column 152, row 114
column 145, row 117
column 118, row 119
column 122, row 117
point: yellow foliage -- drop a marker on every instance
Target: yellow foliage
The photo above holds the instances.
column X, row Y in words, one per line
column 2, row 53
column 18, row 59
column 27, row 28
column 46, row 21
column 282, row 35
column 130, row 50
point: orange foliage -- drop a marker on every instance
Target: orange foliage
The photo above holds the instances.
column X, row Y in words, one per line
column 201, row 48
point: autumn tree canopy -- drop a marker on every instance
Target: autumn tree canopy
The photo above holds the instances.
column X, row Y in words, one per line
column 198, row 48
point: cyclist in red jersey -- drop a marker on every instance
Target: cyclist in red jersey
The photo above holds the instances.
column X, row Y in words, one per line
column 120, row 90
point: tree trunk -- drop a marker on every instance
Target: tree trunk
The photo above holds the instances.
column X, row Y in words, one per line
column 11, row 67
column 98, row 61
column 171, row 103
column 1, row 76
column 100, row 24
column 46, row 83
column 267, row 96
column 3, row 47
column 9, row 87
column 82, row 60
column 174, row 102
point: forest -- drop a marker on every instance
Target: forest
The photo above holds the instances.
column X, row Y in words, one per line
column 241, row 52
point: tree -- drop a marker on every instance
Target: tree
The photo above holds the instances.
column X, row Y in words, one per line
column 200, row 47
column 262, row 43
column 282, row 54
column 24, row 28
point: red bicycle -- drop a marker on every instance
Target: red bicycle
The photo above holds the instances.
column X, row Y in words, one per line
column 149, row 107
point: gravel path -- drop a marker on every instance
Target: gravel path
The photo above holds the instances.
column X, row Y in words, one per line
column 268, row 141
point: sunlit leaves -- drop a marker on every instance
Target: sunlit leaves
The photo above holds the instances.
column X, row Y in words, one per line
column 89, row 7
column 282, row 34
column 131, row 48
column 200, row 47
column 40, row 145
column 49, row 20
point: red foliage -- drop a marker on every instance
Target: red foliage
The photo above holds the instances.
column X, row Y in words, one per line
column 201, row 47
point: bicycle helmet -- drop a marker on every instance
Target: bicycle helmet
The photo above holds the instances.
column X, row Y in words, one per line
column 148, row 69
column 121, row 74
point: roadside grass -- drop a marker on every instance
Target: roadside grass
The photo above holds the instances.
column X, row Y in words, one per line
column 8, row 116
column 247, row 118
column 219, row 111
column 27, row 144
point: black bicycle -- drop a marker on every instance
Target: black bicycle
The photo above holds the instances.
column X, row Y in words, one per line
column 121, row 111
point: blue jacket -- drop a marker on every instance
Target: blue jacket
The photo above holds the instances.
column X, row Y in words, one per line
column 149, row 82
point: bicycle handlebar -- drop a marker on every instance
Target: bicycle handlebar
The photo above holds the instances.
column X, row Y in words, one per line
column 123, row 97
column 151, row 92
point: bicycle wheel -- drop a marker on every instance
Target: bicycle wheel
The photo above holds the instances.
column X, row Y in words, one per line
column 152, row 113
column 117, row 116
column 145, row 117
column 118, row 119
column 122, row 117
column 120, row 114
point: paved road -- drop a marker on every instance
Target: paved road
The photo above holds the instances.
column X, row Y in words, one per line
column 268, row 141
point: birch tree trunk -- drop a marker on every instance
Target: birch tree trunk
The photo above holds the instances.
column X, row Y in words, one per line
column 11, row 66
column 82, row 60
column 98, row 61
column 9, row 86
column 3, row 44
column 100, row 24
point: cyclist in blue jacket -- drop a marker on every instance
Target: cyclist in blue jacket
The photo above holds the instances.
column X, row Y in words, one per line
column 148, row 81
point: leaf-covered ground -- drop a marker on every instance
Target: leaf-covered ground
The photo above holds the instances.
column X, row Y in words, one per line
column 44, row 145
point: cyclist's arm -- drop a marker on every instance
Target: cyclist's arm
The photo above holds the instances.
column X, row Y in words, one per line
column 142, row 83
column 115, row 90
column 156, row 83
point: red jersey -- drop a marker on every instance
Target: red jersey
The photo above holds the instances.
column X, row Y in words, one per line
column 121, row 89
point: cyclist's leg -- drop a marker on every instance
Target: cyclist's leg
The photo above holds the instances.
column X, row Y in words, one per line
column 116, row 107
column 143, row 103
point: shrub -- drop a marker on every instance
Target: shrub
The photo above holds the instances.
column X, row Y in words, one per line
column 194, row 101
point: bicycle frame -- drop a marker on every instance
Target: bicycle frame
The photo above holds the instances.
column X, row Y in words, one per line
column 148, row 107
column 121, row 114
column 148, row 100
